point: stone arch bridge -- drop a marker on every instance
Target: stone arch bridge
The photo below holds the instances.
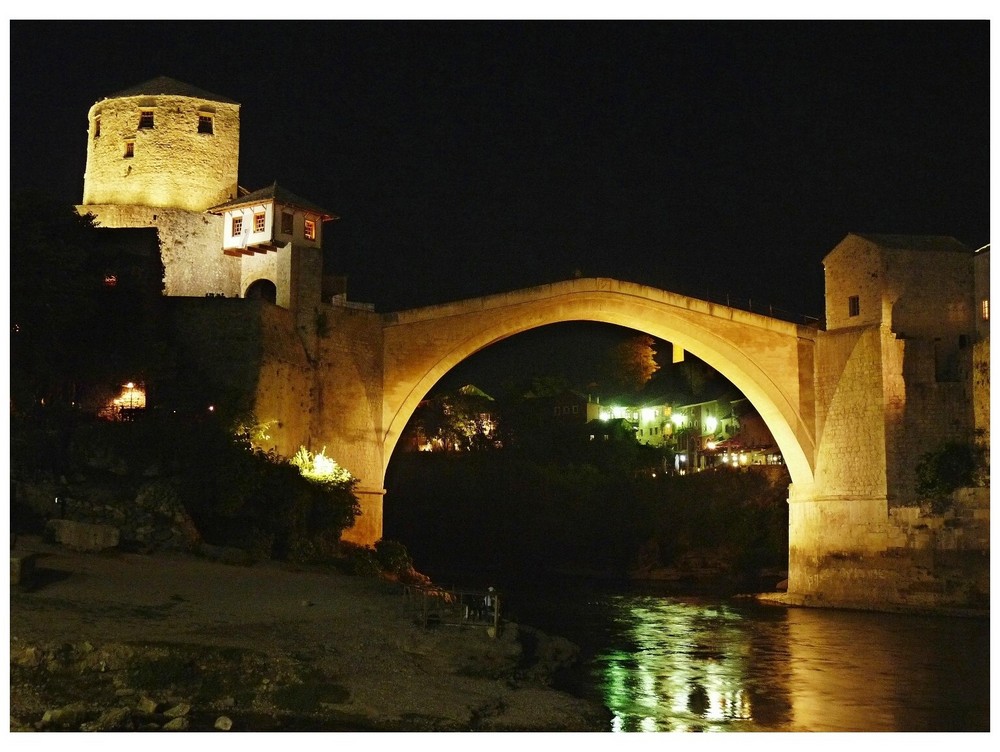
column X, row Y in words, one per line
column 763, row 357
column 350, row 384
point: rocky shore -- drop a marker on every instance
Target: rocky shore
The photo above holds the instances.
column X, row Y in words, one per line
column 117, row 641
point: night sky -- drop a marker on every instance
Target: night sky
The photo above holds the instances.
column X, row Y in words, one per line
column 464, row 158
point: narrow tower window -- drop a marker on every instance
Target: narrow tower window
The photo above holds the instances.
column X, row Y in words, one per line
column 287, row 223
column 853, row 306
column 97, row 127
column 205, row 124
column 310, row 230
column 985, row 309
column 129, row 149
column 146, row 119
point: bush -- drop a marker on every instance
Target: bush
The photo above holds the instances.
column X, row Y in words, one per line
column 236, row 495
column 393, row 557
column 952, row 466
column 362, row 561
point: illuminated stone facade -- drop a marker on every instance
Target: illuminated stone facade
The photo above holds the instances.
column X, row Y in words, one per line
column 165, row 154
column 895, row 378
column 162, row 144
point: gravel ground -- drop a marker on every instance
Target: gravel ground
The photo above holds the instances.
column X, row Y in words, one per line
column 126, row 641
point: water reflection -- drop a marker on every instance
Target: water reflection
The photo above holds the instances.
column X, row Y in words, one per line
column 689, row 665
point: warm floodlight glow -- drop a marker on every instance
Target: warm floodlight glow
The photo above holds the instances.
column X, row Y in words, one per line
column 648, row 413
column 618, row 412
column 677, row 419
column 711, row 423
column 605, row 415
column 131, row 398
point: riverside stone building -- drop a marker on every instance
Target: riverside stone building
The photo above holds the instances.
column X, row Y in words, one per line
column 165, row 154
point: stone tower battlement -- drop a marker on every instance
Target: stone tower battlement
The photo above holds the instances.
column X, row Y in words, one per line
column 165, row 144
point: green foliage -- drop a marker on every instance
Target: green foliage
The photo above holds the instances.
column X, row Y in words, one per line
column 237, row 496
column 393, row 557
column 951, row 466
column 321, row 469
column 510, row 512
column 460, row 421
column 632, row 363
column 71, row 330
column 361, row 561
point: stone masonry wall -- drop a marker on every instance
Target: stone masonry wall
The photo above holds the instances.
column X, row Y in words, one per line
column 850, row 431
column 931, row 294
column 173, row 164
column 921, row 414
column 274, row 266
column 981, row 390
column 348, row 407
column 854, row 267
column 190, row 247
column 908, row 558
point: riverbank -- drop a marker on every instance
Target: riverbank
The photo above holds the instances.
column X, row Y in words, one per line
column 121, row 641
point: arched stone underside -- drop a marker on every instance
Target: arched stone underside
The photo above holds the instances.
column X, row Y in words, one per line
column 770, row 361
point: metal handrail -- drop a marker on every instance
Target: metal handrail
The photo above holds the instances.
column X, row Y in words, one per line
column 432, row 604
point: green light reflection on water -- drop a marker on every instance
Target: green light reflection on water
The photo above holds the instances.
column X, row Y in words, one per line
column 682, row 672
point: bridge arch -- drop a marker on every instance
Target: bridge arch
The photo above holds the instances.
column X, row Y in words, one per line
column 770, row 361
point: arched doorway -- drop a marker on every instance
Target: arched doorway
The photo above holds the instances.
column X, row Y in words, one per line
column 262, row 289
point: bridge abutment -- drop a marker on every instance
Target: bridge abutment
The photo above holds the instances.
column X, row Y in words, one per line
column 862, row 553
column 367, row 527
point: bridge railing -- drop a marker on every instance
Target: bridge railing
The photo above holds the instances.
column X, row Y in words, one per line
column 431, row 605
column 764, row 309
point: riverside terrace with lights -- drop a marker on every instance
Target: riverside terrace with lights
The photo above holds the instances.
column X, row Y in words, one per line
column 901, row 366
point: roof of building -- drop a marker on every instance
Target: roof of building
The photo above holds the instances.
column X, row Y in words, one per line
column 167, row 85
column 276, row 193
column 915, row 242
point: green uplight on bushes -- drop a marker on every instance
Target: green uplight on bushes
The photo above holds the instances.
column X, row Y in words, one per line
column 320, row 468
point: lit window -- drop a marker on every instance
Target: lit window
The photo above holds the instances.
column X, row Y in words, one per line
column 205, row 124
column 97, row 127
column 237, row 226
column 310, row 230
column 129, row 149
column 146, row 119
column 853, row 306
column 110, row 280
column 287, row 223
column 258, row 222
column 985, row 309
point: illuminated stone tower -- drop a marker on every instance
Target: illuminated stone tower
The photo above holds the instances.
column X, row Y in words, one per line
column 165, row 154
column 158, row 155
column 164, row 144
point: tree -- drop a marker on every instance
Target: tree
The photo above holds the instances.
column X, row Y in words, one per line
column 82, row 302
column 632, row 363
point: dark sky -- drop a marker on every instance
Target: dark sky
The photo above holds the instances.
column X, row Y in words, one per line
column 707, row 158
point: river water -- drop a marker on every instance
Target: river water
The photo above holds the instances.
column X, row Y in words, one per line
column 672, row 663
